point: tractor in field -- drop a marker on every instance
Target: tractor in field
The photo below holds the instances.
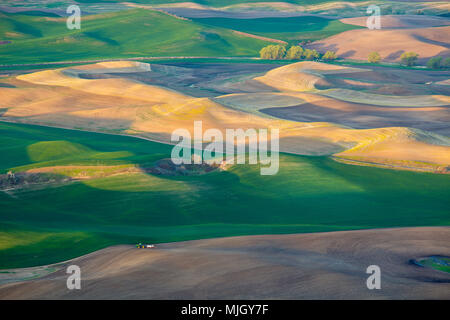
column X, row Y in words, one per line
column 144, row 246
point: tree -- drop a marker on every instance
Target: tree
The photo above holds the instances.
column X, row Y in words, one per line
column 409, row 58
column 374, row 57
column 272, row 52
column 434, row 63
column 266, row 52
column 446, row 63
column 11, row 177
column 310, row 54
column 294, row 53
column 280, row 52
column 329, row 55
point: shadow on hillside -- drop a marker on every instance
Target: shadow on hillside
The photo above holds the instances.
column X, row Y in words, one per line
column 3, row 111
column 395, row 55
column 347, row 54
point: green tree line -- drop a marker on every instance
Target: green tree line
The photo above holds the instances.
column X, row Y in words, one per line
column 410, row 59
column 279, row 52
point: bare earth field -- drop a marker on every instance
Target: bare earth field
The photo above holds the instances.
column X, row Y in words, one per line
column 300, row 266
column 389, row 43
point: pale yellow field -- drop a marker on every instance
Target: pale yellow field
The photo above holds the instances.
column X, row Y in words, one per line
column 301, row 76
column 58, row 98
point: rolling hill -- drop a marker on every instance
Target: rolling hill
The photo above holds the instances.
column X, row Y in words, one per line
column 86, row 169
column 46, row 38
column 402, row 21
column 69, row 98
column 389, row 43
column 50, row 222
column 302, row 266
column 291, row 29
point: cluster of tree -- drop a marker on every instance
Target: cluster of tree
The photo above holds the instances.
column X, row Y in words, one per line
column 273, row 52
column 12, row 179
column 438, row 63
column 407, row 58
column 329, row 55
column 278, row 52
column 374, row 57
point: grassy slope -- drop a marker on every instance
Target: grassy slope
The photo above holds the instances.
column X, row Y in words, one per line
column 308, row 194
column 288, row 29
column 129, row 33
